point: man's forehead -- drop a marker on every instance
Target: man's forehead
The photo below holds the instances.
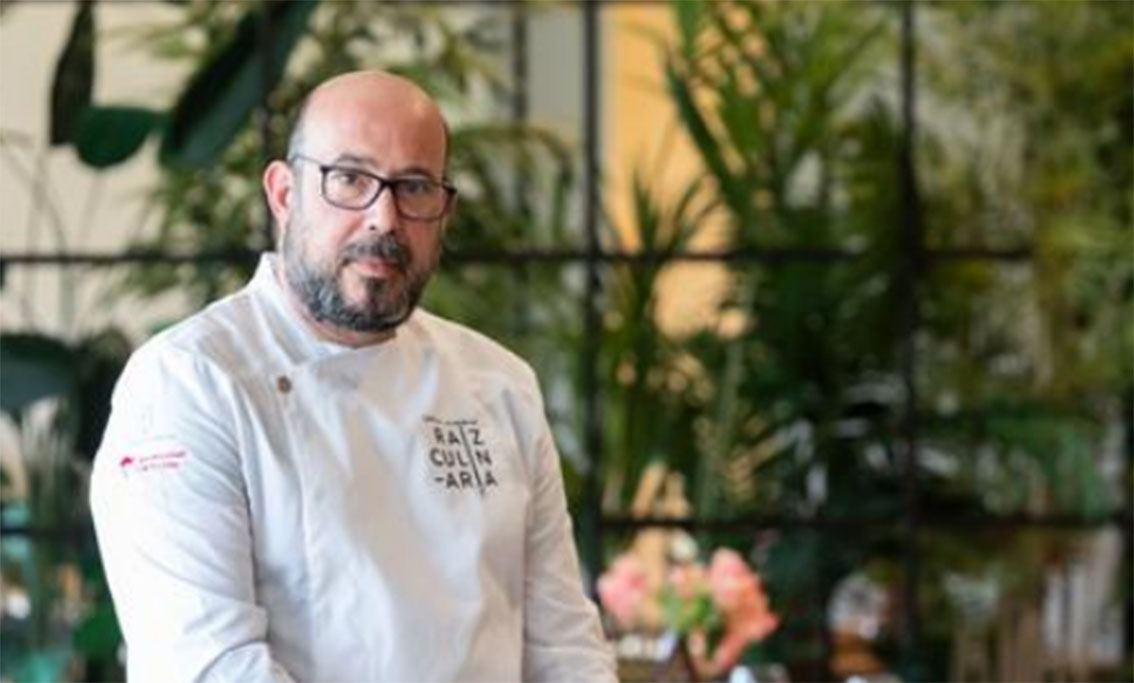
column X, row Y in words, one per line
column 374, row 132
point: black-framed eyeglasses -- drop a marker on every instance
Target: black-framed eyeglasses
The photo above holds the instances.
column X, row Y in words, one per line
column 415, row 197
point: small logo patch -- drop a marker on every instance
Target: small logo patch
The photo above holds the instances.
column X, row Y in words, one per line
column 149, row 462
column 459, row 455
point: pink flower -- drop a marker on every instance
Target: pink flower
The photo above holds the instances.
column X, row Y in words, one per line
column 730, row 578
column 739, row 594
column 622, row 589
column 752, row 620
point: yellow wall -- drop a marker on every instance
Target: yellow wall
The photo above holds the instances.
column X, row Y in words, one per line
column 641, row 130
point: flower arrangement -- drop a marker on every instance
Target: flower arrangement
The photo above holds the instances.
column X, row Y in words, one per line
column 719, row 611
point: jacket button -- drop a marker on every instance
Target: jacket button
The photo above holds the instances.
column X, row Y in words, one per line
column 283, row 384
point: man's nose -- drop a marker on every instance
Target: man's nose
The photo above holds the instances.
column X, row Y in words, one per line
column 382, row 214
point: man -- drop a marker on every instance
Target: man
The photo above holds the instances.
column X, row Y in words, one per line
column 313, row 480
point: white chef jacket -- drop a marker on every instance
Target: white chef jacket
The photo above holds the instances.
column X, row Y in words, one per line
column 272, row 506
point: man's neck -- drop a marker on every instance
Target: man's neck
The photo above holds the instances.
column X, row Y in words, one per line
column 325, row 331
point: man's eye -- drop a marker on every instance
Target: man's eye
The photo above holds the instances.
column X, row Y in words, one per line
column 347, row 178
column 411, row 186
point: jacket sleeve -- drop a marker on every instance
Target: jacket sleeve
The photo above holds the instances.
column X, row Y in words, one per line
column 171, row 517
column 563, row 639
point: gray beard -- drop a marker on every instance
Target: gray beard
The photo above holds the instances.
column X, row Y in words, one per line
column 386, row 305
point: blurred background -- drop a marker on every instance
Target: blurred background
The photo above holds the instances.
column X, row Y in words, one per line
column 846, row 288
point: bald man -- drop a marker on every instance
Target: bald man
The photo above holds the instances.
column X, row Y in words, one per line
column 313, row 479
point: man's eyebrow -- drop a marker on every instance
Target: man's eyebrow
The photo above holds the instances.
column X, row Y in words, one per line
column 355, row 159
column 369, row 162
column 414, row 170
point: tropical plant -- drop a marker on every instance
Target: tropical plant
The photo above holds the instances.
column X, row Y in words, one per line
column 653, row 387
column 783, row 105
column 1032, row 356
column 791, row 108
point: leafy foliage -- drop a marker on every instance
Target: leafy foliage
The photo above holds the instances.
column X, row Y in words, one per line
column 110, row 135
column 790, row 108
column 219, row 208
column 74, row 75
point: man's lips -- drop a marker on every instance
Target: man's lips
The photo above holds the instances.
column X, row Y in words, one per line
column 369, row 266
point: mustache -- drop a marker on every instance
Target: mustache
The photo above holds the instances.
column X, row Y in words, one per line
column 385, row 247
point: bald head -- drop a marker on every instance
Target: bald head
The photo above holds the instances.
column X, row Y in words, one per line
column 352, row 102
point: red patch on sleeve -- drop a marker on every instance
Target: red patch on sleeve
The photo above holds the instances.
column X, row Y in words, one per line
column 149, row 462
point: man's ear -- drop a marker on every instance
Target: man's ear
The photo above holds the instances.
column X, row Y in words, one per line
column 279, row 188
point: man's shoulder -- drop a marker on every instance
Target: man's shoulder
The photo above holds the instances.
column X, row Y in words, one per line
column 223, row 334
column 474, row 349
